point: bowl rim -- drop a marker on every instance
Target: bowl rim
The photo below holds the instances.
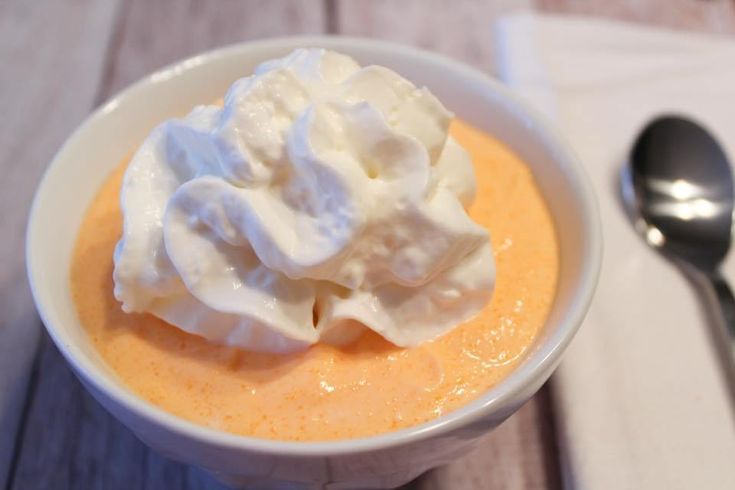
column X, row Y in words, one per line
column 539, row 362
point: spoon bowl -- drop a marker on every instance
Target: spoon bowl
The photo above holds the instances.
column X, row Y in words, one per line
column 678, row 188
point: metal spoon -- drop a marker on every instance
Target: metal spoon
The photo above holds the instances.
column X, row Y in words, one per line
column 678, row 187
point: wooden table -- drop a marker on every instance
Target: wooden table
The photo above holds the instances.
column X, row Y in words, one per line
column 60, row 59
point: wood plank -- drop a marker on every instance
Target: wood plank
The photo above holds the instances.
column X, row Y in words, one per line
column 54, row 55
column 521, row 453
column 457, row 28
column 193, row 26
column 69, row 440
column 89, row 449
column 713, row 16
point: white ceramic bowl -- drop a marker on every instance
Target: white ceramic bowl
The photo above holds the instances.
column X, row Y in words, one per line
column 385, row 460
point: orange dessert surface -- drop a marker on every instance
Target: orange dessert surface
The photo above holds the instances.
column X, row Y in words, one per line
column 328, row 392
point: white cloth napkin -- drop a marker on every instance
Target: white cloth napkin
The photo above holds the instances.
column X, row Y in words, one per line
column 642, row 402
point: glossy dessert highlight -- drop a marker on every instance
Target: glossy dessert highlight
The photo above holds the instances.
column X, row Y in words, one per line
column 361, row 387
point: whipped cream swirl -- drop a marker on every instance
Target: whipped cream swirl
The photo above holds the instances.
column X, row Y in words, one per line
column 322, row 199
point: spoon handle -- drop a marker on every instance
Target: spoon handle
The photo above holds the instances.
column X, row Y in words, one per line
column 723, row 296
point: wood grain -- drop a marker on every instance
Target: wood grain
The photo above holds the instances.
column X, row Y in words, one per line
column 96, row 47
column 714, row 16
column 520, row 454
column 52, row 61
column 193, row 26
column 69, row 441
column 457, row 28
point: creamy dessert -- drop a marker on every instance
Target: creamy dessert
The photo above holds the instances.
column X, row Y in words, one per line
column 313, row 259
column 321, row 199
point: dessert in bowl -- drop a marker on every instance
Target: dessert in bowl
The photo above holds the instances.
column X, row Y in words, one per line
column 362, row 332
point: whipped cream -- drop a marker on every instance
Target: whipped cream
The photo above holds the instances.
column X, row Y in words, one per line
column 322, row 199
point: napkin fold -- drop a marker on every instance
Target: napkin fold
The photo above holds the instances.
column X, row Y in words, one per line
column 641, row 398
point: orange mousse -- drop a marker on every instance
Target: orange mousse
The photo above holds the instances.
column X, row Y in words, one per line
column 329, row 392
